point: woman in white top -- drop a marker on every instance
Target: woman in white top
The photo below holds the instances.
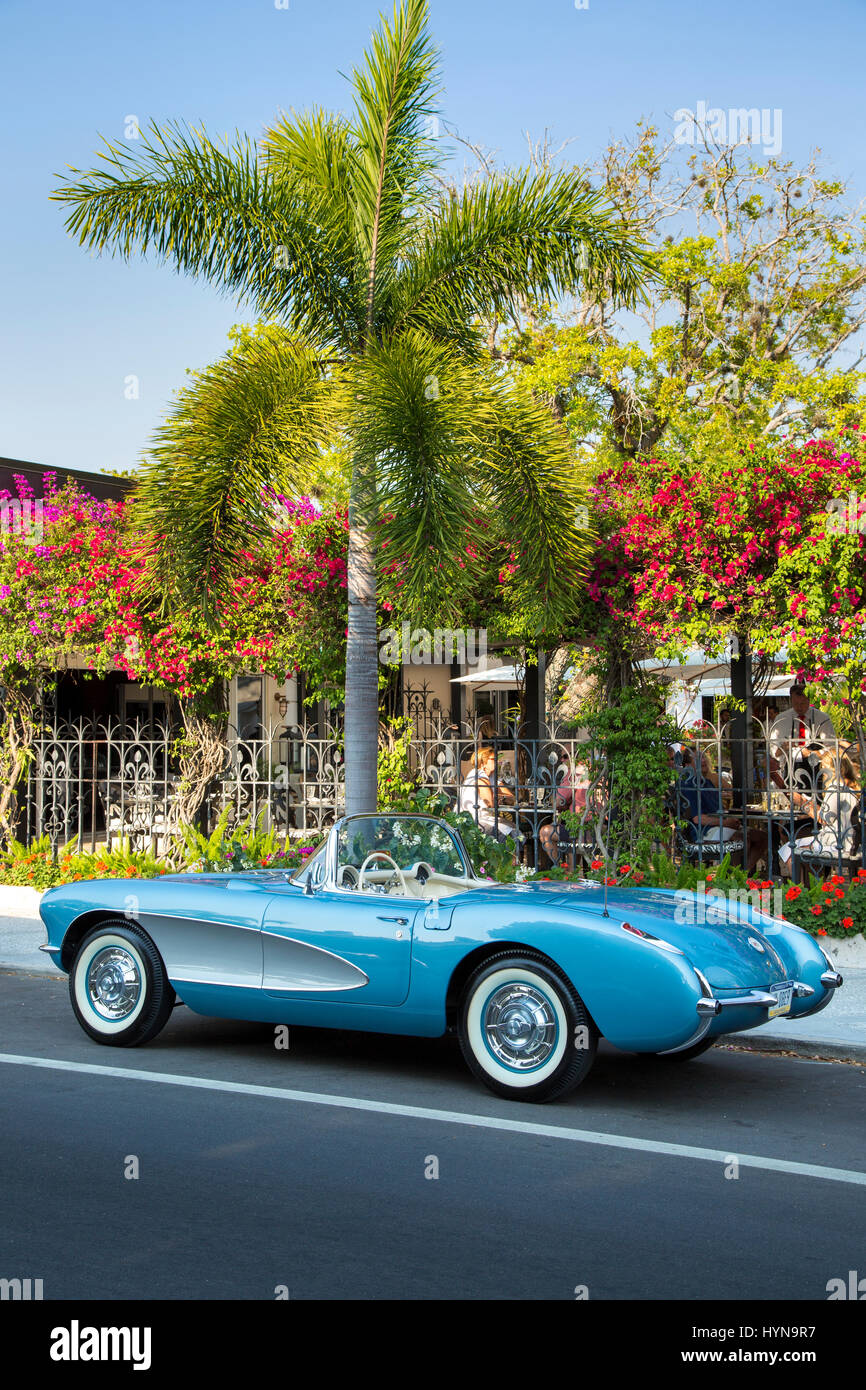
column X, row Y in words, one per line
column 476, row 796
column 841, row 796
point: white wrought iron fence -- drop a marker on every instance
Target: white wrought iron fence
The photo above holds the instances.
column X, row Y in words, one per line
column 771, row 804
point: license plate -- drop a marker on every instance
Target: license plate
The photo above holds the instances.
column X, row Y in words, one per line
column 784, row 994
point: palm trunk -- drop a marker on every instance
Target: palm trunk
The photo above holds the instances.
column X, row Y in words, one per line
column 362, row 656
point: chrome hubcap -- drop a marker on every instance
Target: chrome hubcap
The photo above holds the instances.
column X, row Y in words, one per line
column 520, row 1026
column 113, row 983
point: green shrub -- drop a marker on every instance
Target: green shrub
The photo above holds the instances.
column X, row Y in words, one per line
column 37, row 866
column 487, row 854
column 242, row 847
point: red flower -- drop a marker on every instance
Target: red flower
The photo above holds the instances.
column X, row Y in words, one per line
column 817, row 911
column 820, row 932
column 793, row 894
column 597, row 864
column 840, row 893
column 847, row 923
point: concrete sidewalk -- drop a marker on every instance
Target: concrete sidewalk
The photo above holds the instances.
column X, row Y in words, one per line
column 837, row 1032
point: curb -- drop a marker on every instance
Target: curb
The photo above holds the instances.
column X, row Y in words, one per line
column 819, row 1051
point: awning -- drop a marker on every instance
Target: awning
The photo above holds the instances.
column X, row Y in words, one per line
column 714, row 677
column 494, row 678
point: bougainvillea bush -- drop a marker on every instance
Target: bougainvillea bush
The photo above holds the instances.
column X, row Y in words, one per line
column 696, row 551
column 76, row 583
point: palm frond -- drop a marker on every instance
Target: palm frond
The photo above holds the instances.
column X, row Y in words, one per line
column 411, row 416
column 463, row 458
column 258, row 419
column 312, row 158
column 529, row 479
column 512, row 236
column 395, row 90
column 214, row 211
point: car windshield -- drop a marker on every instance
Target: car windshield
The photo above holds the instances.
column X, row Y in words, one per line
column 404, row 839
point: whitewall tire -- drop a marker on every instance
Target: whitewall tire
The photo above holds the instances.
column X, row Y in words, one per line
column 524, row 1030
column 118, row 987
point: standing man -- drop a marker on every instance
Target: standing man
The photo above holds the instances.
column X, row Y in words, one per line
column 797, row 727
column 797, row 737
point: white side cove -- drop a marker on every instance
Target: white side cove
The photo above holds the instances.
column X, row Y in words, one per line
column 22, row 933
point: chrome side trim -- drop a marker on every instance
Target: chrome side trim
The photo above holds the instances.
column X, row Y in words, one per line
column 219, row 984
column 193, row 921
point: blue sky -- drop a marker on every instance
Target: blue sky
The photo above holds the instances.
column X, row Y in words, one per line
column 77, row 328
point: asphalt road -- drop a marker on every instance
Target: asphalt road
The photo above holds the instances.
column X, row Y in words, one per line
column 315, row 1187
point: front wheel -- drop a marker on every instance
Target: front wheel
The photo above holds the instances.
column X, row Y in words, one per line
column 118, row 987
column 524, row 1030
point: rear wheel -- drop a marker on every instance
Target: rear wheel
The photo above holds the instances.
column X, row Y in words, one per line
column 118, row 987
column 524, row 1030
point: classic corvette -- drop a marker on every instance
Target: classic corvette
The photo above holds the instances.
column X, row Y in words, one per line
column 388, row 929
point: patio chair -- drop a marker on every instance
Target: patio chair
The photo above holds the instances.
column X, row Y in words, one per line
column 830, row 860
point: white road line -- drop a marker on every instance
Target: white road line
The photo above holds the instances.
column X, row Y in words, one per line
column 452, row 1117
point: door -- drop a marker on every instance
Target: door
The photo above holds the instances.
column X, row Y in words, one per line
column 335, row 944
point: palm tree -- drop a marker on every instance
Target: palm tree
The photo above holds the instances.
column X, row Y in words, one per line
column 373, row 281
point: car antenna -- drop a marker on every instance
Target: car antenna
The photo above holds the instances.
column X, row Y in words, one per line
column 605, row 913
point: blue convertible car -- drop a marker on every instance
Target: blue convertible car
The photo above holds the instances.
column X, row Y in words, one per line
column 388, row 929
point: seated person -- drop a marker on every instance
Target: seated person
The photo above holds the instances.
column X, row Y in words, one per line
column 477, row 797
column 834, row 836
column 706, row 822
column 570, row 795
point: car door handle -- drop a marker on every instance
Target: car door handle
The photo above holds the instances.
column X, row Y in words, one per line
column 401, row 921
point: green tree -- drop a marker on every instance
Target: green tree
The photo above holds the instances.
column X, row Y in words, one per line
column 373, row 278
column 751, row 330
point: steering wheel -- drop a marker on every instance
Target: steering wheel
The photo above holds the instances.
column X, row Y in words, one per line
column 347, row 877
column 398, row 872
